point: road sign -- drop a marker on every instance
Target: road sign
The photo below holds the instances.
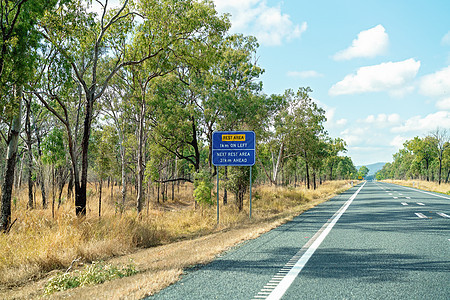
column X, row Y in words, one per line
column 233, row 148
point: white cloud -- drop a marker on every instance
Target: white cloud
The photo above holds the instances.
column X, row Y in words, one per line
column 329, row 114
column 369, row 43
column 304, row 74
column 383, row 119
column 443, row 104
column 428, row 123
column 390, row 76
column 393, row 118
column 402, row 92
column 436, row 84
column 397, row 142
column 446, row 39
column 342, row 122
column 254, row 17
column 353, row 136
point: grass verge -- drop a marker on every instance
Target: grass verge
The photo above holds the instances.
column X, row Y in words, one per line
column 443, row 188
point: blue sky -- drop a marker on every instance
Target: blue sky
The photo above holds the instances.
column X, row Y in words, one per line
column 381, row 69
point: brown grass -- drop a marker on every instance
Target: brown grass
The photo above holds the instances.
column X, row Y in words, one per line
column 39, row 244
column 424, row 185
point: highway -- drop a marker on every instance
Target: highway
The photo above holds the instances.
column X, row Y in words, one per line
column 374, row 241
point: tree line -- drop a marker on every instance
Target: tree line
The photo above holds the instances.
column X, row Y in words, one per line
column 426, row 158
column 132, row 94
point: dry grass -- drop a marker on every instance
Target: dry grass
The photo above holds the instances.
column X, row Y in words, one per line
column 424, row 185
column 38, row 244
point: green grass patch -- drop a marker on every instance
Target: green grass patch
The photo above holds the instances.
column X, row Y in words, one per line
column 95, row 273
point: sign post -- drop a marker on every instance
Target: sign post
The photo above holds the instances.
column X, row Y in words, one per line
column 233, row 148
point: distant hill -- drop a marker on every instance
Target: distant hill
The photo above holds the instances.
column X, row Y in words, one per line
column 373, row 168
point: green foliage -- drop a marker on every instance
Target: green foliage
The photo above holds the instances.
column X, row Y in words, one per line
column 53, row 150
column 203, row 187
column 95, row 273
column 363, row 171
column 419, row 159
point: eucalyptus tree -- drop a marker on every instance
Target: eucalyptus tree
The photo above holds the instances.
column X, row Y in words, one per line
column 335, row 146
column 103, row 154
column 18, row 43
column 116, row 112
column 423, row 153
column 298, row 131
column 441, row 141
column 54, row 155
column 190, row 31
column 87, row 41
column 345, row 168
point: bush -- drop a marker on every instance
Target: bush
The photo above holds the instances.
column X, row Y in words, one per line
column 95, row 273
column 203, row 187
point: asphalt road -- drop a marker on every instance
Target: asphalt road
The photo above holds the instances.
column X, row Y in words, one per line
column 375, row 241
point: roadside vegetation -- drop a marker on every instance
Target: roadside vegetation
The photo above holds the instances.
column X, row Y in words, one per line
column 424, row 159
column 431, row 186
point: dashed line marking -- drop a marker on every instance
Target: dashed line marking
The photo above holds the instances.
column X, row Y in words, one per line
column 420, row 215
column 444, row 215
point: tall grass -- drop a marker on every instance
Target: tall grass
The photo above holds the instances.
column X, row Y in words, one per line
column 38, row 243
column 424, row 185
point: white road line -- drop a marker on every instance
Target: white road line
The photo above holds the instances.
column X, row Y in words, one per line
column 404, row 203
column 444, row 215
column 420, row 215
column 420, row 203
column 308, row 250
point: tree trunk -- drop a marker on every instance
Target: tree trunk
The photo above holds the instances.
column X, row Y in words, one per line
column 124, row 178
column 440, row 166
column 53, row 192
column 80, row 195
column 140, row 160
column 41, row 172
column 277, row 166
column 307, row 171
column 194, row 144
column 10, row 166
column 30, row 154
column 70, row 185
column 100, row 199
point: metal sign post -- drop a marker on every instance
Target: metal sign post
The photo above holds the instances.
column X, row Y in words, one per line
column 217, row 195
column 233, row 148
column 250, row 212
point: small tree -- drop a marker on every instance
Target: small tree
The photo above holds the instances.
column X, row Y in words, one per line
column 239, row 182
column 363, row 171
column 203, row 187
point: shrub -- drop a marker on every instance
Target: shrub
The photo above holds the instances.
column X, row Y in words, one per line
column 95, row 273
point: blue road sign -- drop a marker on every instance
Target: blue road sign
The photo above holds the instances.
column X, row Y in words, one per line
column 233, row 148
